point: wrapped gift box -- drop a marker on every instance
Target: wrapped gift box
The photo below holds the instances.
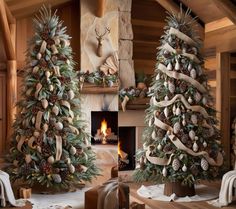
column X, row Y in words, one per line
column 91, row 198
column 123, row 196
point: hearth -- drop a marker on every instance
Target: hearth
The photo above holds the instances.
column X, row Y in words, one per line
column 126, row 148
column 104, row 127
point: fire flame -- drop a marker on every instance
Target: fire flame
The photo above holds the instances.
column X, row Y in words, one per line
column 104, row 127
column 104, row 130
column 119, row 149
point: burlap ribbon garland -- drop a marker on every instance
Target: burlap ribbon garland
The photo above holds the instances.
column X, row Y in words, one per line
column 195, row 108
column 182, row 36
column 74, row 130
column 67, row 104
column 31, row 142
column 177, row 142
column 38, row 120
column 58, row 147
column 190, row 56
column 21, row 142
column 158, row 160
column 174, row 74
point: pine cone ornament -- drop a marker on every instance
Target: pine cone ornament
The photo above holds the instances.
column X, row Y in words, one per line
column 167, row 148
column 160, row 133
column 197, row 97
column 25, row 169
column 44, row 35
column 64, row 173
column 45, row 167
column 183, row 87
column 194, row 119
column 43, row 63
column 53, row 98
column 193, row 73
column 50, row 41
column 46, row 149
column 176, row 128
column 184, row 138
column 79, row 168
column 176, row 164
column 204, row 164
column 162, row 116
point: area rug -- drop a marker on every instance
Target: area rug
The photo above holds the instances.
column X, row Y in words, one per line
column 155, row 192
column 68, row 200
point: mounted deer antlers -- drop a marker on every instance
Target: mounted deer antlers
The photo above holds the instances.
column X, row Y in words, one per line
column 100, row 38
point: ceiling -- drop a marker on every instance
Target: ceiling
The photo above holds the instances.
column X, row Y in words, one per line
column 23, row 8
column 206, row 10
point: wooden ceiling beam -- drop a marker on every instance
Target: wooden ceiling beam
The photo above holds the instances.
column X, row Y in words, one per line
column 101, row 5
column 218, row 24
column 172, row 7
column 11, row 19
column 25, row 8
column 228, row 8
column 10, row 52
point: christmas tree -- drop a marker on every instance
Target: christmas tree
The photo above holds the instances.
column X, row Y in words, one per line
column 181, row 140
column 50, row 145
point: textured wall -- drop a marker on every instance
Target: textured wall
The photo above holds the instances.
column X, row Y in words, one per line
column 89, row 59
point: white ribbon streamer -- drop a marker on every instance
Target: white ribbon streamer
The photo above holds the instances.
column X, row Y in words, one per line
column 177, row 142
column 58, row 147
column 195, row 108
column 190, row 56
column 182, row 36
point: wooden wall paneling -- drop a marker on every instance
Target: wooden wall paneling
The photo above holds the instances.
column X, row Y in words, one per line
column 2, row 111
column 223, row 100
column 147, row 28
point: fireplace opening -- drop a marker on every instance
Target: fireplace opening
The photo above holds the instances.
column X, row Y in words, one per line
column 126, row 148
column 104, row 127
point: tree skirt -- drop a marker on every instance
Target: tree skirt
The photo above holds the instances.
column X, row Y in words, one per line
column 68, row 200
column 155, row 192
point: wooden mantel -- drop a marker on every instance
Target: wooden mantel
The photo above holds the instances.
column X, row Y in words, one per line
column 8, row 28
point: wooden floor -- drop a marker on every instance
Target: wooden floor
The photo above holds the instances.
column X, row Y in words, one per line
column 154, row 204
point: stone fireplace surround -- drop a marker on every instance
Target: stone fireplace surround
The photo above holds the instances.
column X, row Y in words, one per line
column 134, row 118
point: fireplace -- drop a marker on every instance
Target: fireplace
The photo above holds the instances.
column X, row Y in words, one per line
column 126, row 148
column 104, row 127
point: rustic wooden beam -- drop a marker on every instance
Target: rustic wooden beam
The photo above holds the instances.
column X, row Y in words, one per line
column 218, row 24
column 11, row 19
column 6, row 32
column 11, row 95
column 172, row 7
column 3, row 66
column 223, row 100
column 228, row 8
column 101, row 5
column 26, row 8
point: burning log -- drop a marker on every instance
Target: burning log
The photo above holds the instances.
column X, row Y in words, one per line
column 105, row 134
column 122, row 157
